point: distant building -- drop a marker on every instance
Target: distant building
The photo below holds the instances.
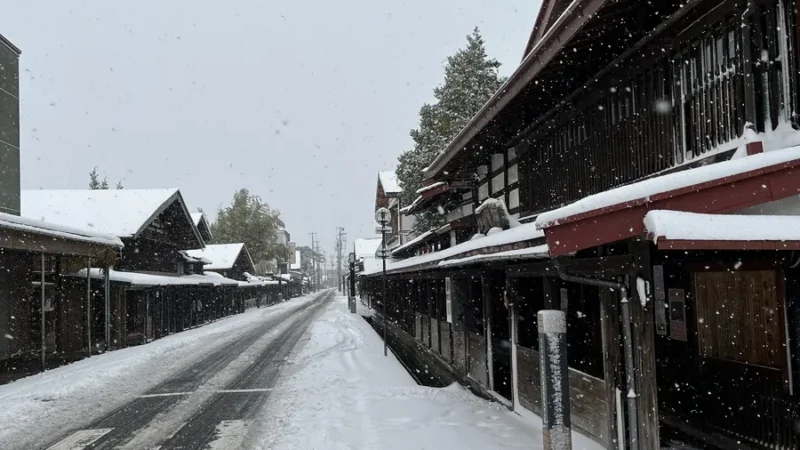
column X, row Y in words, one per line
column 387, row 195
column 9, row 127
column 201, row 222
column 229, row 260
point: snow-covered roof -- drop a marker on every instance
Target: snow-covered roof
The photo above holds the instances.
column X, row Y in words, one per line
column 536, row 252
column 148, row 279
column 222, row 256
column 640, row 192
column 197, row 217
column 677, row 225
column 389, row 182
column 431, row 187
column 414, row 241
column 119, row 212
column 366, row 247
column 28, row 225
column 520, row 233
column 193, row 259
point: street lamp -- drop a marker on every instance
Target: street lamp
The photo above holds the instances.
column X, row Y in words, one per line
column 383, row 216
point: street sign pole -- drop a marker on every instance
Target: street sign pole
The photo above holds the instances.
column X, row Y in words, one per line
column 384, row 217
column 383, row 296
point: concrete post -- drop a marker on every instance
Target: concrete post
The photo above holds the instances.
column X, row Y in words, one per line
column 554, row 375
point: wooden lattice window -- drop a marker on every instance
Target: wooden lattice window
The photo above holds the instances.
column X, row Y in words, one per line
column 740, row 317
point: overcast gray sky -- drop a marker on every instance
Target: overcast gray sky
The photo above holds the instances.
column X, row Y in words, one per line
column 300, row 101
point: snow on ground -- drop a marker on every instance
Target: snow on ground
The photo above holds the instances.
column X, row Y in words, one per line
column 338, row 391
column 64, row 398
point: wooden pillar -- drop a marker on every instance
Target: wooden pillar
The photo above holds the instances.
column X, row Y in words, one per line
column 486, row 298
column 643, row 323
column 612, row 364
column 747, row 56
column 551, row 293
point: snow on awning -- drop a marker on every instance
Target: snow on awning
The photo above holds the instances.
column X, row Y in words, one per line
column 517, row 237
column 536, row 252
column 685, row 231
column 723, row 187
column 38, row 227
column 148, row 279
column 430, row 193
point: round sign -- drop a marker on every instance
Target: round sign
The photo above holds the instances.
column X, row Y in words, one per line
column 383, row 216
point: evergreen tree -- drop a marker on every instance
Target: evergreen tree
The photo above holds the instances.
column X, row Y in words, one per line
column 119, row 185
column 470, row 79
column 94, row 182
column 248, row 219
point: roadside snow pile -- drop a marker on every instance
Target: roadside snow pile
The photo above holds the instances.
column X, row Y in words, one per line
column 75, row 394
column 339, row 392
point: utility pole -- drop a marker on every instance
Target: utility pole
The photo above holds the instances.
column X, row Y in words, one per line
column 340, row 236
column 320, row 265
column 313, row 261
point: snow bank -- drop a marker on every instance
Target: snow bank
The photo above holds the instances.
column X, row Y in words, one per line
column 643, row 190
column 678, row 225
column 339, row 392
column 76, row 394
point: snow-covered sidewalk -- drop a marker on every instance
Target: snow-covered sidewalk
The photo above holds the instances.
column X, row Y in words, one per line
column 58, row 400
column 339, row 392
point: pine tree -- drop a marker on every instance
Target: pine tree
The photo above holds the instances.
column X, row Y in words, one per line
column 471, row 78
column 94, row 183
column 104, row 184
column 119, row 185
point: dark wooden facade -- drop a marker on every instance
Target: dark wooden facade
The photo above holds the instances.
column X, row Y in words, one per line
column 611, row 93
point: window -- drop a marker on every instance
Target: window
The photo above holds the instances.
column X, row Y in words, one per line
column 740, row 317
column 707, row 86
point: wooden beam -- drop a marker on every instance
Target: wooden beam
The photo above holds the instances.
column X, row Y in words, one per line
column 643, row 318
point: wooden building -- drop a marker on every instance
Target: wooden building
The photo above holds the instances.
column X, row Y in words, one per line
column 158, row 288
column 645, row 148
column 387, row 195
column 40, row 324
column 233, row 261
column 44, row 323
column 203, row 227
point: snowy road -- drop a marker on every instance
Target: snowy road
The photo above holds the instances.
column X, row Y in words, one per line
column 204, row 402
column 305, row 374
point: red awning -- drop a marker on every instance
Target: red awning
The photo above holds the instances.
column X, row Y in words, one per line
column 429, row 194
column 713, row 190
